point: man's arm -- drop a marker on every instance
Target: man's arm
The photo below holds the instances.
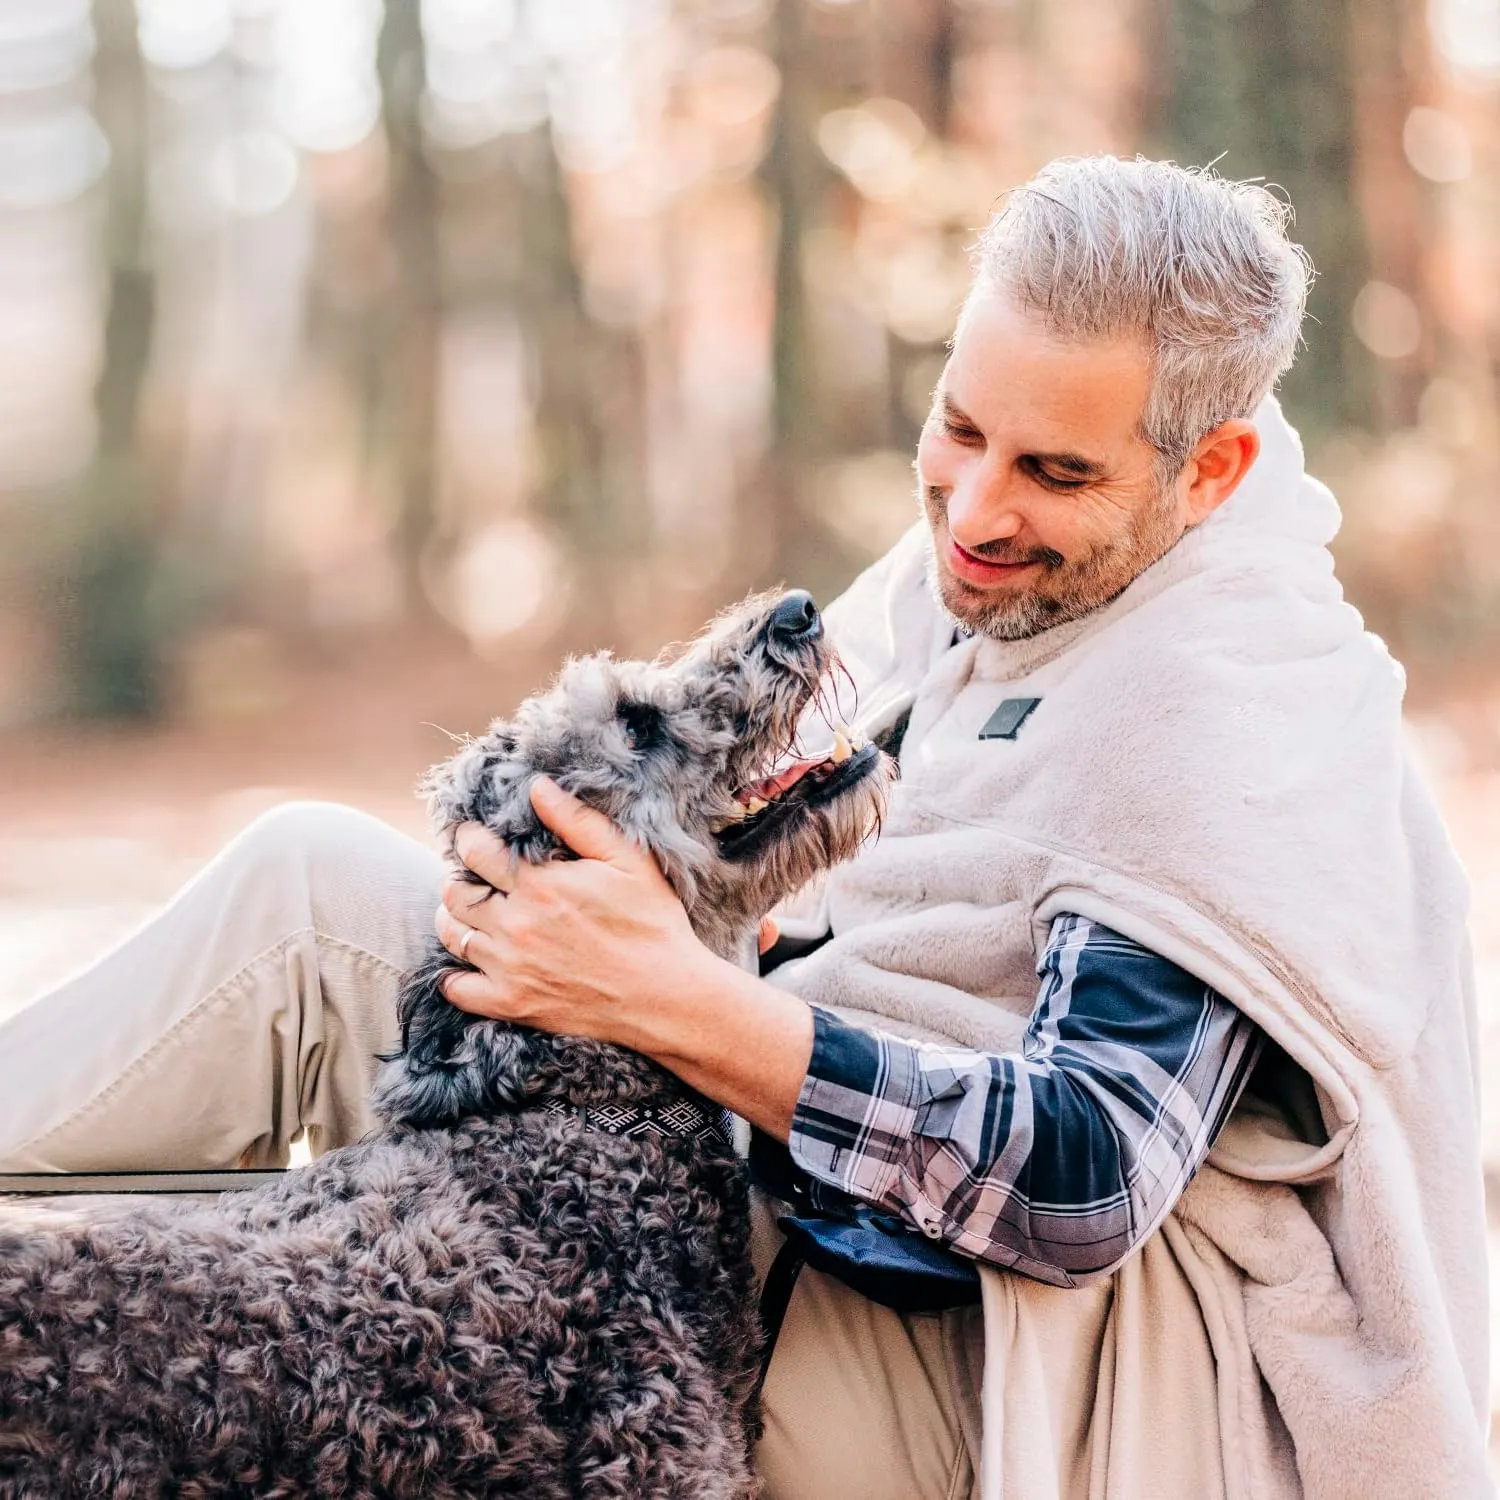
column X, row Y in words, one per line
column 1057, row 1161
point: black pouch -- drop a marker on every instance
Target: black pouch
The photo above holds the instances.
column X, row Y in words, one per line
column 875, row 1254
column 872, row 1253
column 880, row 1258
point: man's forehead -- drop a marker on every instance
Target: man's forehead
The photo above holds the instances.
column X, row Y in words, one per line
column 1008, row 372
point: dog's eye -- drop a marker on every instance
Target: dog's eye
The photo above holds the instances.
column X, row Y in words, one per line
column 642, row 724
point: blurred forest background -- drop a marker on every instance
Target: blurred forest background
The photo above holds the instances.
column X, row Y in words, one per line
column 359, row 359
column 497, row 326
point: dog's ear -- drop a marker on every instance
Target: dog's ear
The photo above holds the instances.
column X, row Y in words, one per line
column 514, row 819
column 451, row 1063
column 456, row 788
column 489, row 782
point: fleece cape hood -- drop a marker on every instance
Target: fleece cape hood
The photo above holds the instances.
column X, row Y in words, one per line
column 1215, row 769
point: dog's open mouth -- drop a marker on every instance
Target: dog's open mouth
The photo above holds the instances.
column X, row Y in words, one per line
column 764, row 807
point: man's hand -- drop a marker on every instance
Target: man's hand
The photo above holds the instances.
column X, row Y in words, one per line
column 570, row 946
column 601, row 947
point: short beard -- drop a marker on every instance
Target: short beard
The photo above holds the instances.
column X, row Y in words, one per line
column 1068, row 590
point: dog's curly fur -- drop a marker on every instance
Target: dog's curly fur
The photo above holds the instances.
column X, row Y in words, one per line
column 484, row 1297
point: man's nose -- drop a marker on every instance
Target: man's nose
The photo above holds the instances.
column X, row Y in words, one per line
column 982, row 508
column 795, row 619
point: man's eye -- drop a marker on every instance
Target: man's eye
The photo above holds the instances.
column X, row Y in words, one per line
column 1059, row 483
column 959, row 433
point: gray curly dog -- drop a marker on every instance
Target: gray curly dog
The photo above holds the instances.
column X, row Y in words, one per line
column 493, row 1294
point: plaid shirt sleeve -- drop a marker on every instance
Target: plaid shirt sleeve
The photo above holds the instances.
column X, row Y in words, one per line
column 1057, row 1161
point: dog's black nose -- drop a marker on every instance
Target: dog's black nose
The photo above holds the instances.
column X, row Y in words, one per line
column 796, row 618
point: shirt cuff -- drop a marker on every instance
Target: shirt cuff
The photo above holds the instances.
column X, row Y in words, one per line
column 857, row 1109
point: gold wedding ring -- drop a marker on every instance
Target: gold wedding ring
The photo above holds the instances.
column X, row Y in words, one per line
column 463, row 943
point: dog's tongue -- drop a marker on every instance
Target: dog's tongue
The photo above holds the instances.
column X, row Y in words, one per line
column 771, row 787
column 789, row 772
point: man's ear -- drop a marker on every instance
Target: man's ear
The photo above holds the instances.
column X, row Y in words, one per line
column 1216, row 466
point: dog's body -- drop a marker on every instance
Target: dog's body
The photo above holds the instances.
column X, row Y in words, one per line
column 508, row 1306
column 495, row 1294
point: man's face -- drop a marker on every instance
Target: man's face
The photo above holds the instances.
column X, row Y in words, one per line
column 1043, row 498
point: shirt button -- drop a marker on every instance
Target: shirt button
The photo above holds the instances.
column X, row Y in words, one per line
column 932, row 1229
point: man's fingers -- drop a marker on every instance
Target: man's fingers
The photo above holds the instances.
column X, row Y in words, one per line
column 583, row 829
column 470, row 902
column 455, row 935
column 769, row 932
column 488, row 856
column 471, row 992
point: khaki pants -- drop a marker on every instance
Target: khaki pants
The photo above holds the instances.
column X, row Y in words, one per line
column 251, row 1010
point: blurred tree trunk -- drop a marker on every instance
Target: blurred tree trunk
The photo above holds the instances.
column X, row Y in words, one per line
column 110, row 632
column 923, row 50
column 791, row 174
column 1389, row 50
column 567, row 349
column 589, row 384
column 410, row 355
column 1266, row 90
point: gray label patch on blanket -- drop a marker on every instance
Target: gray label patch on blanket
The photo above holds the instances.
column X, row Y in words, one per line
column 1006, row 721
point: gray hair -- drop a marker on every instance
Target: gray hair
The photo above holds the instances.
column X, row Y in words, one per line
column 1199, row 266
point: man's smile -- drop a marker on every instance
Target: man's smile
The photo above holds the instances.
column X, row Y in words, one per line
column 980, row 572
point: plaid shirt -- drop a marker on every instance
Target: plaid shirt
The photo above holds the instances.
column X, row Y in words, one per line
column 1057, row 1161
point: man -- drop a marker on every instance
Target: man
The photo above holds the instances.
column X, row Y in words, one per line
column 1149, row 755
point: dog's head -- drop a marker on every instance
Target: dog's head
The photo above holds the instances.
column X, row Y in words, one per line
column 694, row 755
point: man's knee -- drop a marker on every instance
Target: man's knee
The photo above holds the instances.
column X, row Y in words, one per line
column 356, row 871
column 328, row 836
column 294, row 828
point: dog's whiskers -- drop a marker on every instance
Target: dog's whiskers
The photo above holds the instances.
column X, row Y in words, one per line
column 842, row 676
column 459, row 737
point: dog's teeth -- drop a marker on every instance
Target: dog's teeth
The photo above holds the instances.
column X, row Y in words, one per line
column 756, row 804
column 842, row 749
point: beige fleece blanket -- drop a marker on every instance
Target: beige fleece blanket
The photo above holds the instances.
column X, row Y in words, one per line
column 1216, row 770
